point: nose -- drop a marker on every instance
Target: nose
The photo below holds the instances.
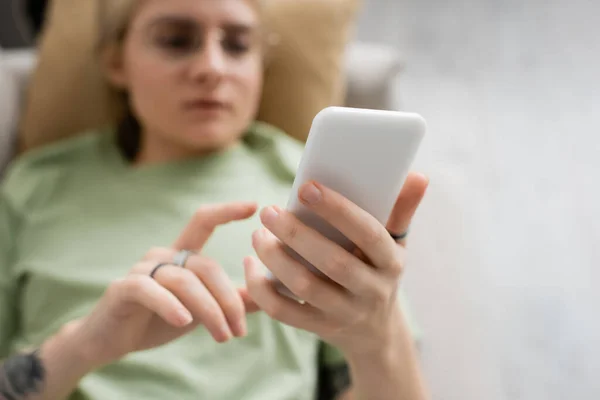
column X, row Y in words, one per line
column 209, row 65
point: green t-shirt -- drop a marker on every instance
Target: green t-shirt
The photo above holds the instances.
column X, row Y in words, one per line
column 75, row 216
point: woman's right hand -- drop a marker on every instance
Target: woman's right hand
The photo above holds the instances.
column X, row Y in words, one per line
column 138, row 312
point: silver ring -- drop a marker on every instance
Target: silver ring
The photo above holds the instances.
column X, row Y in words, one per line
column 181, row 257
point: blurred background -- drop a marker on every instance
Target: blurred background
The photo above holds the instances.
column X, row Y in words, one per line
column 504, row 276
column 505, row 254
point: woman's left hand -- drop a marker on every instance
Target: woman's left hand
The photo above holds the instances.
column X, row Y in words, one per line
column 357, row 309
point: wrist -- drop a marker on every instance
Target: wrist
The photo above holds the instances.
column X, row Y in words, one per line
column 387, row 340
column 389, row 370
column 72, row 340
column 380, row 359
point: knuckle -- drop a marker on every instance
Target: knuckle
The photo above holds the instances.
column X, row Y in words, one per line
column 338, row 266
column 292, row 232
column 303, row 287
column 127, row 288
column 136, row 283
column 174, row 278
column 183, row 277
column 359, row 318
column 373, row 238
column 399, row 262
column 234, row 307
column 380, row 294
column 139, row 268
column 274, row 309
column 211, row 267
column 200, row 213
column 115, row 287
column 397, row 267
column 156, row 253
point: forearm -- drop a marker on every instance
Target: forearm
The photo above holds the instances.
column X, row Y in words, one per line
column 392, row 374
column 53, row 372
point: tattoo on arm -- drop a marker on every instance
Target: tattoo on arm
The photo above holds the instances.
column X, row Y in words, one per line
column 21, row 376
column 333, row 381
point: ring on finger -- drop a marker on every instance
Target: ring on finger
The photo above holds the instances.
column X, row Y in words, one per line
column 181, row 257
column 399, row 236
column 158, row 266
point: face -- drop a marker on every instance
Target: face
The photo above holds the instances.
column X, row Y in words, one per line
column 193, row 71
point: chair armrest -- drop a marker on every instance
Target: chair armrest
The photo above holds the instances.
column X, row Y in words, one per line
column 15, row 68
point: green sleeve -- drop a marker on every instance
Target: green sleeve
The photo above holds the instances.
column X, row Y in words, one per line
column 8, row 286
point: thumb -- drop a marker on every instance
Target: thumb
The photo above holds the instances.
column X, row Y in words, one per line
column 407, row 204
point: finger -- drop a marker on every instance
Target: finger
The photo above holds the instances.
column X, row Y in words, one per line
column 249, row 304
column 160, row 254
column 407, row 204
column 360, row 227
column 143, row 290
column 222, row 289
column 279, row 307
column 207, row 218
column 332, row 260
column 323, row 295
column 188, row 288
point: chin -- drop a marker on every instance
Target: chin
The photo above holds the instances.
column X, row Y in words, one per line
column 210, row 137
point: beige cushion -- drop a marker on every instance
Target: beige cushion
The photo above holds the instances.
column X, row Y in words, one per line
column 306, row 73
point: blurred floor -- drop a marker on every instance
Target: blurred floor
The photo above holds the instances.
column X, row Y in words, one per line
column 504, row 274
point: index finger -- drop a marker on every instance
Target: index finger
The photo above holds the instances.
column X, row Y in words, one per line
column 207, row 218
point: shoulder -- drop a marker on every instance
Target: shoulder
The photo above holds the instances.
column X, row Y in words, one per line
column 285, row 151
column 32, row 173
column 61, row 153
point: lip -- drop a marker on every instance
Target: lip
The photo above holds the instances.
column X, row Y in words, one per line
column 206, row 105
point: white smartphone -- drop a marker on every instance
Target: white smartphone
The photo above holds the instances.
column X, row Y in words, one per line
column 365, row 155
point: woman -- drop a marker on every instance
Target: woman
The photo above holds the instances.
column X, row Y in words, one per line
column 187, row 320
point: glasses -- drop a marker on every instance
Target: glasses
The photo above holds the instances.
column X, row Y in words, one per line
column 181, row 38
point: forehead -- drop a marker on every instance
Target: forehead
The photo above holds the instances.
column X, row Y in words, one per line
column 217, row 12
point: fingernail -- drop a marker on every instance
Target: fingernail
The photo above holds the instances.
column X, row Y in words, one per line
column 184, row 317
column 226, row 333
column 310, row 194
column 270, row 214
column 240, row 328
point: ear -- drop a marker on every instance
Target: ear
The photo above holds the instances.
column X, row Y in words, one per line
column 113, row 65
